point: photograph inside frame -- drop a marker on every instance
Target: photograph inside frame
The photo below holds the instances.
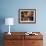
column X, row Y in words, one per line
column 27, row 15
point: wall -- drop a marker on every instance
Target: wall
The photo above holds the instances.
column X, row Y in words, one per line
column 9, row 8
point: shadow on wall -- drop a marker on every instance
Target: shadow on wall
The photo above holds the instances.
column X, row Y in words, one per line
column 2, row 21
column 1, row 39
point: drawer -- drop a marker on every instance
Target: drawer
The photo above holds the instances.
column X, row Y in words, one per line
column 34, row 37
column 37, row 43
column 9, row 43
column 33, row 43
column 16, row 37
column 13, row 43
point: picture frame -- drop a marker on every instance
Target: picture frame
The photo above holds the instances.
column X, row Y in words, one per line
column 27, row 16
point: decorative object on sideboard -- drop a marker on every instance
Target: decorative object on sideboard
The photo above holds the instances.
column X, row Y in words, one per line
column 9, row 21
column 30, row 33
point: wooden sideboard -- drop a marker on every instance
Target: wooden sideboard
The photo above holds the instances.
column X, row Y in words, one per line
column 20, row 39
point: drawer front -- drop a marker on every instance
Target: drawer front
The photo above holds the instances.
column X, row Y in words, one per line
column 13, row 43
column 9, row 43
column 33, row 43
column 16, row 37
column 33, row 37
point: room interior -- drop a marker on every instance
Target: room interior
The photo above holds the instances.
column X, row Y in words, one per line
column 10, row 9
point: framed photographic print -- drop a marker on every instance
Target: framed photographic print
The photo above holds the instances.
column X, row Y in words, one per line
column 27, row 15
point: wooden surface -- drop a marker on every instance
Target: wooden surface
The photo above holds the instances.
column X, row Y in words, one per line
column 20, row 39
